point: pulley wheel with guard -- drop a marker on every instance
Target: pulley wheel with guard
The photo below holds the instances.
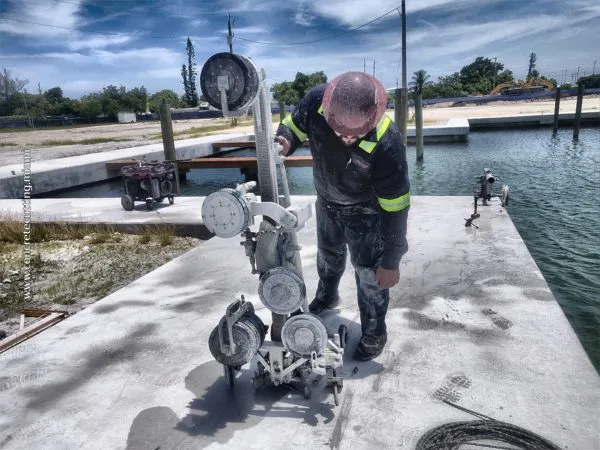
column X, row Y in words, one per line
column 225, row 213
column 281, row 290
column 243, row 77
column 304, row 334
column 248, row 335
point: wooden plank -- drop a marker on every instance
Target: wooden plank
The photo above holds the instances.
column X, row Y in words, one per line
column 31, row 330
column 237, row 162
column 233, row 144
column 240, row 144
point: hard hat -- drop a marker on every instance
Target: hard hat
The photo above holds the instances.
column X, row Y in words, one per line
column 353, row 103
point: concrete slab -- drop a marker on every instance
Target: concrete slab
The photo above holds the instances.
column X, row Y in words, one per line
column 185, row 214
column 472, row 321
column 63, row 173
column 531, row 120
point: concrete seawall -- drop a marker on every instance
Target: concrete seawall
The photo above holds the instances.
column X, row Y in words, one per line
column 63, row 173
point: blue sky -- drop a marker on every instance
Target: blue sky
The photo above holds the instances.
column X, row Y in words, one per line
column 88, row 44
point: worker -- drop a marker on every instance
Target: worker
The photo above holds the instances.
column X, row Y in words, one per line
column 361, row 179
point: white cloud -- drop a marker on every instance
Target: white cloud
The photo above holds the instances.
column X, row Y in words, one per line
column 49, row 12
column 99, row 41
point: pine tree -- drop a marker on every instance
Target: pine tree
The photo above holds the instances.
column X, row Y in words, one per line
column 186, row 87
column 193, row 91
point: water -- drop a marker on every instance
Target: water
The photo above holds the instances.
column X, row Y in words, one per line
column 554, row 203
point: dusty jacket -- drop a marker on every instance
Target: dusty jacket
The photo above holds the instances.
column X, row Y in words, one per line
column 373, row 172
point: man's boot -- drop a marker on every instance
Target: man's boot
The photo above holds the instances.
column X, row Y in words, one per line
column 317, row 306
column 369, row 347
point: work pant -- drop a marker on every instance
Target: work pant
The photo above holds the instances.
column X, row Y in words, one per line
column 356, row 228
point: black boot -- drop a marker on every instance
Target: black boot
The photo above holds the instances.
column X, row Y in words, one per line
column 369, row 347
column 317, row 306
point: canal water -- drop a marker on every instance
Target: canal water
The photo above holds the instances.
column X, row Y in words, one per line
column 554, row 203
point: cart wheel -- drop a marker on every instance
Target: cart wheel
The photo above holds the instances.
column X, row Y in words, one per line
column 505, row 195
column 127, row 202
column 171, row 199
column 343, row 332
column 160, row 199
column 149, row 203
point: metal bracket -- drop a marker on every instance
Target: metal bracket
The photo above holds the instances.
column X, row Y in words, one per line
column 292, row 219
column 223, row 85
column 234, row 311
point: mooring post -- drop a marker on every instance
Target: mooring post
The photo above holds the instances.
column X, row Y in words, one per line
column 281, row 111
column 419, row 125
column 166, row 127
column 556, row 109
column 578, row 110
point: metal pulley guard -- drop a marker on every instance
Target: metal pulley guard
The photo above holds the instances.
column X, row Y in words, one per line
column 281, row 290
column 226, row 213
column 242, row 81
column 304, row 334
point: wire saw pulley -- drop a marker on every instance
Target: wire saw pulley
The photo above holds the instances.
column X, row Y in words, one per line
column 230, row 82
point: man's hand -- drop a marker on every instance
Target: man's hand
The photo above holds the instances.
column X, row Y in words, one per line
column 387, row 278
column 285, row 144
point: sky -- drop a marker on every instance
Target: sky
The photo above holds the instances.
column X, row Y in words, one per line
column 84, row 45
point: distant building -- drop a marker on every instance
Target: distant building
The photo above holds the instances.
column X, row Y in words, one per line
column 126, row 117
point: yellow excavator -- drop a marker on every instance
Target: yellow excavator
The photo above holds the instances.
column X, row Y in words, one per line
column 520, row 86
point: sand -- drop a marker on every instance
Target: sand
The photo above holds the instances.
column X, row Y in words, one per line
column 141, row 133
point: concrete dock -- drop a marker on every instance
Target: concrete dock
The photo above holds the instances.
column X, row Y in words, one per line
column 63, row 173
column 472, row 322
column 184, row 215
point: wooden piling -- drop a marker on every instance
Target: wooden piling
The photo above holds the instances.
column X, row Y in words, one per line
column 419, row 125
column 556, row 109
column 166, row 127
column 580, row 88
column 281, row 111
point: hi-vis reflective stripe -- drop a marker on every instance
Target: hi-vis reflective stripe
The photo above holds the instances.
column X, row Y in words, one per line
column 382, row 127
column 288, row 122
column 394, row 204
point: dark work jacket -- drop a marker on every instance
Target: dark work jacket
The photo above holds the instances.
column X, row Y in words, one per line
column 374, row 174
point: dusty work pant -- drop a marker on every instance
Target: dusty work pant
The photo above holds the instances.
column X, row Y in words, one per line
column 357, row 228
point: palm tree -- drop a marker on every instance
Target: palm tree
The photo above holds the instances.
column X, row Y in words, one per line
column 420, row 80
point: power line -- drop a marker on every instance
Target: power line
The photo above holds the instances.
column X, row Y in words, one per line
column 325, row 38
column 93, row 32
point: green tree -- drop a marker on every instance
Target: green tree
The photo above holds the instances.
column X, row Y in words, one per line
column 284, row 92
column 188, row 73
column 9, row 88
column 471, row 75
column 168, row 95
column 186, row 86
column 54, row 96
column 591, row 81
column 90, row 107
column 290, row 92
column 531, row 72
column 419, row 81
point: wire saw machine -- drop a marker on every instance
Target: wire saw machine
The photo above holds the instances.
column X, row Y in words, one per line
column 300, row 349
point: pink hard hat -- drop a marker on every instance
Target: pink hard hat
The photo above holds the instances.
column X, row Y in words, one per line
column 353, row 103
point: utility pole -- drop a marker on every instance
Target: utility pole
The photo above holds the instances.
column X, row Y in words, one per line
column 594, row 71
column 578, row 73
column 373, row 67
column 494, row 87
column 365, row 65
column 229, row 35
column 404, row 101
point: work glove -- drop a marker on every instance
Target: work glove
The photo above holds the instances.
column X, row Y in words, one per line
column 284, row 143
